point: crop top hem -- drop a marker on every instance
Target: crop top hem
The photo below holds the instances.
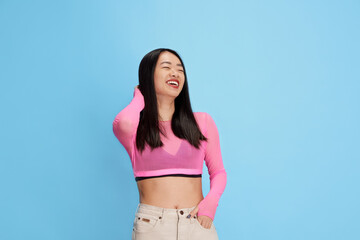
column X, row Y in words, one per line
column 174, row 175
column 167, row 171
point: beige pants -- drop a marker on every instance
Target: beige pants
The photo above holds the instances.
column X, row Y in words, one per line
column 156, row 223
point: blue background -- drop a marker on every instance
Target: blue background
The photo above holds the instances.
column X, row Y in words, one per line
column 280, row 79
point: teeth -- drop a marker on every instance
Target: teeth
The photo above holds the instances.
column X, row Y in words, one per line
column 173, row 83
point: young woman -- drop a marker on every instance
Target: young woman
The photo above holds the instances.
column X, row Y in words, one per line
column 167, row 144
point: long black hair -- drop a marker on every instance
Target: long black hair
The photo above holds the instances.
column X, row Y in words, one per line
column 183, row 122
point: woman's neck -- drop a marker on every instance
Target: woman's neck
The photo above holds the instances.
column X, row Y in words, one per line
column 166, row 108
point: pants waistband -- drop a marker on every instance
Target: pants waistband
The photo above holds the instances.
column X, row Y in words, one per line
column 164, row 212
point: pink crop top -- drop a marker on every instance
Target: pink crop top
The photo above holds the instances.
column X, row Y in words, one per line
column 177, row 157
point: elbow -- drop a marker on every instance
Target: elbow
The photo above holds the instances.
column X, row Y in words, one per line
column 221, row 172
column 122, row 126
column 219, row 176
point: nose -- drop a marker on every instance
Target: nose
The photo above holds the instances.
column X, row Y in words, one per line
column 174, row 73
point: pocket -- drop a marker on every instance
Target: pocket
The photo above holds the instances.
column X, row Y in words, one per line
column 145, row 222
column 200, row 226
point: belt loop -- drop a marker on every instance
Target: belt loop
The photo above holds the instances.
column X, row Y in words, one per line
column 192, row 219
column 137, row 208
column 162, row 215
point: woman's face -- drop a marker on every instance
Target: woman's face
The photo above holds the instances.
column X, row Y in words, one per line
column 168, row 67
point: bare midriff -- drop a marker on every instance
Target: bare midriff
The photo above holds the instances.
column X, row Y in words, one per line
column 171, row 192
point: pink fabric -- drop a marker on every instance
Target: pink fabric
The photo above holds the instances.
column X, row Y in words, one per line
column 177, row 155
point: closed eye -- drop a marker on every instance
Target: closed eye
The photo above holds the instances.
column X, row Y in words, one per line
column 179, row 69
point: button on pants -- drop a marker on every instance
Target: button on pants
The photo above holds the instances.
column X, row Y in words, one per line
column 156, row 223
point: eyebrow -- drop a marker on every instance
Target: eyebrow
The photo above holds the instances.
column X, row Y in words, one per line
column 179, row 64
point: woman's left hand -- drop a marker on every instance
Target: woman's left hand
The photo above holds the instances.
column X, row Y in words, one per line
column 205, row 221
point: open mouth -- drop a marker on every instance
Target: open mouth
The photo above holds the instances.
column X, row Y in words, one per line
column 173, row 83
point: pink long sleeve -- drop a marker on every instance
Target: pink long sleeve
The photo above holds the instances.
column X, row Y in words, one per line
column 126, row 122
column 177, row 156
column 216, row 170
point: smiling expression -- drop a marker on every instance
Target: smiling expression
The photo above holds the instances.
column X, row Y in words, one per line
column 168, row 71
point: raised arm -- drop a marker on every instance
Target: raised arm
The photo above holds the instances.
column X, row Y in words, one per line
column 126, row 122
column 216, row 170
